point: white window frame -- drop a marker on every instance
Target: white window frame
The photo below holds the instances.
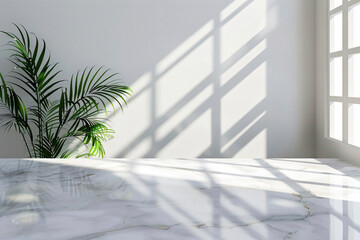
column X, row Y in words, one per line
column 344, row 53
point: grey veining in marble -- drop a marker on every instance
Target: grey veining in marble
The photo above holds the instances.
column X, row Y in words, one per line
column 179, row 199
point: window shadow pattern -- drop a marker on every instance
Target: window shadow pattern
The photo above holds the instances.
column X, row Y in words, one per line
column 227, row 121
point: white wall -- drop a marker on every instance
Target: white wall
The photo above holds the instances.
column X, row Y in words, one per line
column 211, row 78
column 326, row 147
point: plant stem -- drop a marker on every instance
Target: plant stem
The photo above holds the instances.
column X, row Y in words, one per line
column 40, row 123
column 27, row 147
column 40, row 128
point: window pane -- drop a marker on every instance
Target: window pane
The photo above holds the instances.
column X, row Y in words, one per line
column 336, row 32
column 354, row 26
column 354, row 75
column 354, row 124
column 336, row 120
column 335, row 4
column 336, row 71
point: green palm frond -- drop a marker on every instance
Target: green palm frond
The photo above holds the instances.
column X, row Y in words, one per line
column 57, row 114
column 97, row 87
column 33, row 71
column 17, row 114
column 94, row 133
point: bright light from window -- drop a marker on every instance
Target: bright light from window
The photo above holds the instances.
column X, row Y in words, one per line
column 354, row 75
column 336, row 32
column 336, row 71
column 336, row 121
column 335, row 4
column 354, row 26
column 354, row 126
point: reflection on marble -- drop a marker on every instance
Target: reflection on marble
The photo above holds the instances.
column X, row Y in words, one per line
column 179, row 199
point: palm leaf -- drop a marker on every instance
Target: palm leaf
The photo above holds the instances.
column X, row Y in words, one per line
column 58, row 121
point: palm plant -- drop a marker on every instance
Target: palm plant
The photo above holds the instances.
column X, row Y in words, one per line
column 54, row 116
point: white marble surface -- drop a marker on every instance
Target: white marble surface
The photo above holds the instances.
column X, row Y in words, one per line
column 179, row 199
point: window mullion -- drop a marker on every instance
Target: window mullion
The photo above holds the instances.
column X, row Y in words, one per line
column 337, row 99
column 327, row 82
column 336, row 54
column 355, row 50
column 352, row 3
column 336, row 10
column 345, row 70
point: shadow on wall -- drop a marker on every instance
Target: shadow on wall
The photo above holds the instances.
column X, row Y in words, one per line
column 211, row 78
column 228, row 89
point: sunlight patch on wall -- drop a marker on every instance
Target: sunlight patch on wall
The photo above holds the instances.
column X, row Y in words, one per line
column 239, row 29
column 191, row 141
column 141, row 84
column 231, row 8
column 184, row 76
column 133, row 130
column 242, row 98
column 240, row 64
column 255, row 147
column 186, row 114
column 185, row 47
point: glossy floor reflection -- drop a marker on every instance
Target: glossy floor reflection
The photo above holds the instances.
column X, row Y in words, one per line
column 179, row 199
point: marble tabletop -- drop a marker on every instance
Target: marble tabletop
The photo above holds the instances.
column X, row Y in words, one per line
column 179, row 199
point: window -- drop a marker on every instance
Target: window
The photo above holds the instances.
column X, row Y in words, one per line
column 343, row 86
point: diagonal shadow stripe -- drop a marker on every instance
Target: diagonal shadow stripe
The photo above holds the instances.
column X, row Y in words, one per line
column 261, row 58
column 239, row 126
